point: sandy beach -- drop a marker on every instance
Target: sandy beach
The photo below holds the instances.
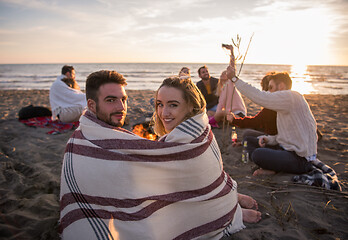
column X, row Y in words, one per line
column 31, row 165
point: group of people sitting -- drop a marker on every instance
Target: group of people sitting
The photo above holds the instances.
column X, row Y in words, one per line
column 220, row 95
column 115, row 184
column 284, row 129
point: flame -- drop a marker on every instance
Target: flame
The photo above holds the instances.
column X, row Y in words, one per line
column 141, row 131
column 113, row 232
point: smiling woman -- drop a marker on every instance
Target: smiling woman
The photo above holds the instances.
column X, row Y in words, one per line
column 176, row 101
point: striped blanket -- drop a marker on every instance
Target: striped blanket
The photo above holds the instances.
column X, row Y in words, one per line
column 321, row 176
column 117, row 185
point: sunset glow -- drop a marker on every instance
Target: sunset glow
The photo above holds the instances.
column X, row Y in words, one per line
column 300, row 79
column 286, row 32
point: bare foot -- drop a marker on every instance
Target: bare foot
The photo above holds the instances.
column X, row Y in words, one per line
column 251, row 216
column 246, row 201
column 262, row 171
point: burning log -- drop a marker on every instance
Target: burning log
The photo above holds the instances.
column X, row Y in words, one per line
column 144, row 130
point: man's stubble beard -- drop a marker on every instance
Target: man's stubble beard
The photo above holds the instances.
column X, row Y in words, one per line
column 107, row 118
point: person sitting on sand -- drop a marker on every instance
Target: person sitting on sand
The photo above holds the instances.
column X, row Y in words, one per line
column 115, row 183
column 263, row 123
column 208, row 85
column 230, row 100
column 184, row 73
column 179, row 105
column 295, row 145
column 67, row 103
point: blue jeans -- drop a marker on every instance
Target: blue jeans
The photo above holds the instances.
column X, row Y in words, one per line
column 275, row 158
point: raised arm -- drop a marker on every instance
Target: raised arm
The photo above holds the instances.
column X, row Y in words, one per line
column 231, row 69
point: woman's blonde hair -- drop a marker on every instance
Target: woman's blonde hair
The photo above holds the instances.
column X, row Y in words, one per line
column 221, row 84
column 191, row 94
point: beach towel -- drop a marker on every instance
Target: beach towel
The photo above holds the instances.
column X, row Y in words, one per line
column 117, row 185
column 47, row 122
column 231, row 100
column 321, row 176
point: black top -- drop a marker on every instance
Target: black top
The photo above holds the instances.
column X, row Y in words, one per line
column 211, row 99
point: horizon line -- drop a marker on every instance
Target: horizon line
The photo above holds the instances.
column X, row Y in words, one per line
column 71, row 63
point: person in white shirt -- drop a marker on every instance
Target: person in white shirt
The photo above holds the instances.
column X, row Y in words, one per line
column 295, row 145
column 67, row 103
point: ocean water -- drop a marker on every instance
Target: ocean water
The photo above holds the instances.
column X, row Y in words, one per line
column 148, row 76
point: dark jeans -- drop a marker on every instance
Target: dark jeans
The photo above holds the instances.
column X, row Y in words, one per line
column 275, row 158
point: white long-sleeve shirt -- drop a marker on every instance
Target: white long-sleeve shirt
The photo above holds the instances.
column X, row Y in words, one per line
column 295, row 121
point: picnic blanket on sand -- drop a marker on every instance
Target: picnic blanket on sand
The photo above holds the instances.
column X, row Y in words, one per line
column 47, row 122
column 115, row 183
column 321, row 176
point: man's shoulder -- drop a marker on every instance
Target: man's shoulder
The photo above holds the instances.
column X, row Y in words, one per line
column 60, row 77
column 214, row 81
column 55, row 83
column 199, row 83
column 290, row 94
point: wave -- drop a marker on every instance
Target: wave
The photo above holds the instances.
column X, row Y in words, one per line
column 327, row 79
column 28, row 76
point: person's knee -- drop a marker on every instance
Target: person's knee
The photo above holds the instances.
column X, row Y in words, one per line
column 72, row 114
column 69, row 118
column 258, row 156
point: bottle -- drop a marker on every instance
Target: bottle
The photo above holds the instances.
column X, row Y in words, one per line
column 245, row 153
column 234, row 135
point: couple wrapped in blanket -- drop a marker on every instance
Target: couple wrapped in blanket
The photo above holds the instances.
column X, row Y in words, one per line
column 117, row 185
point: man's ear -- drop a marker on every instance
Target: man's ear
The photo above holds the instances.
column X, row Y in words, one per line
column 92, row 105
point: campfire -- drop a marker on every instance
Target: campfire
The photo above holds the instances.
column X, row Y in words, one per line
column 144, row 130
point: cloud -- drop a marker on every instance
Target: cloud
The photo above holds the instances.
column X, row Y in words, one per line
column 196, row 26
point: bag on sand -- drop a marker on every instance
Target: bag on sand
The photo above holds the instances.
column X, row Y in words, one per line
column 31, row 112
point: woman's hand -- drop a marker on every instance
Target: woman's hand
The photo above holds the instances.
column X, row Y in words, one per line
column 230, row 116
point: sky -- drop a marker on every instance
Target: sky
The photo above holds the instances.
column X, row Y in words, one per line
column 296, row 32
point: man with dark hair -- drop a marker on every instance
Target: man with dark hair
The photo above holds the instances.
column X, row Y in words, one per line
column 295, row 145
column 68, row 71
column 106, row 97
column 66, row 99
column 208, row 85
